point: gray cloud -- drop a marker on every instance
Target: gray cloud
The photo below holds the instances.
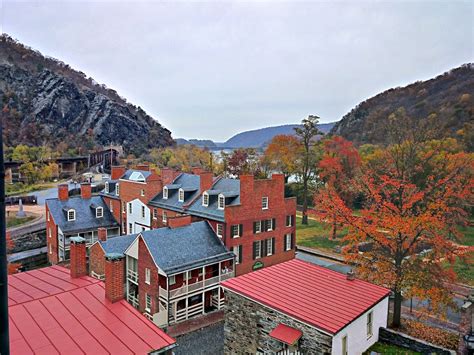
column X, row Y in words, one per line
column 212, row 69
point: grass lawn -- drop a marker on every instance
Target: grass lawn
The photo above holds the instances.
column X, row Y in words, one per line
column 14, row 221
column 384, row 348
column 468, row 232
column 20, row 188
column 316, row 235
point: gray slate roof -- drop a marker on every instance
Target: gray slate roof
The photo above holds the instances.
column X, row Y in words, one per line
column 112, row 189
column 190, row 183
column 118, row 245
column 230, row 188
column 85, row 214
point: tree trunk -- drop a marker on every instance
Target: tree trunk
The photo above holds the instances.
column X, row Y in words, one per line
column 334, row 228
column 304, row 219
column 397, row 309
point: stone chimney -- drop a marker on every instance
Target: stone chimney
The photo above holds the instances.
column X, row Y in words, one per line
column 206, row 180
column 114, row 276
column 86, row 190
column 168, row 175
column 78, row 257
column 196, row 170
column 117, row 172
column 179, row 221
column 63, row 192
column 350, row 275
column 102, row 234
column 144, row 167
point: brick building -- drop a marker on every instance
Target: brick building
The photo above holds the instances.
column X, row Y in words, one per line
column 301, row 307
column 81, row 215
column 252, row 217
column 172, row 273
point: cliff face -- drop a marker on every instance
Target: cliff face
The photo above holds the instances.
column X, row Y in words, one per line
column 49, row 103
column 448, row 97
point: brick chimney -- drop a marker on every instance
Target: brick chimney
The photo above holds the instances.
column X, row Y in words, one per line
column 144, row 167
column 168, row 175
column 206, row 179
column 63, row 192
column 78, row 257
column 196, row 170
column 102, row 234
column 114, row 276
column 179, row 221
column 86, row 190
column 117, row 172
column 280, row 180
column 246, row 188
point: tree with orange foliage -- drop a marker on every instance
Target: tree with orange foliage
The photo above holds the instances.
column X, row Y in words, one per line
column 416, row 193
column 282, row 154
column 339, row 165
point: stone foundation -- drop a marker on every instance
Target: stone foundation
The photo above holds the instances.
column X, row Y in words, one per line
column 408, row 342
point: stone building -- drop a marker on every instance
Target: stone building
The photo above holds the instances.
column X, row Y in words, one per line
column 296, row 306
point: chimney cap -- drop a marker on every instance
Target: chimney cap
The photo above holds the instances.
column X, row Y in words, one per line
column 114, row 256
column 350, row 275
column 77, row 240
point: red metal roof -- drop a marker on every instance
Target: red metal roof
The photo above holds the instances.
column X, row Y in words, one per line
column 51, row 313
column 286, row 334
column 313, row 294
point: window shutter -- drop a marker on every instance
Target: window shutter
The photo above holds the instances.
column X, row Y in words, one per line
column 262, row 226
column 285, row 236
column 241, row 230
column 254, row 250
column 292, row 218
column 273, row 246
column 292, row 240
column 240, row 253
column 232, row 231
column 255, row 227
column 265, row 222
column 274, row 223
column 263, row 248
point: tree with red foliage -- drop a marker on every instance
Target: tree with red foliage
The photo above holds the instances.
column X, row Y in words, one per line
column 416, row 193
column 12, row 268
column 339, row 165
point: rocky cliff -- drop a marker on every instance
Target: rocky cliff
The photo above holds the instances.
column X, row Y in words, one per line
column 47, row 102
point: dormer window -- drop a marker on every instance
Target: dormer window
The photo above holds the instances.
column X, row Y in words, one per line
column 106, row 187
column 221, row 202
column 205, row 199
column 71, row 215
column 117, row 189
column 137, row 176
column 99, row 212
column 181, row 195
column 165, row 193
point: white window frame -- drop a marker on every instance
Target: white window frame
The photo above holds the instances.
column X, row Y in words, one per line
column 50, row 233
column 287, row 241
column 165, row 193
column 130, row 209
column 269, row 250
column 221, row 202
column 289, row 218
column 111, row 206
column 117, row 189
column 258, row 254
column 205, row 199
column 48, row 216
column 147, row 275
column 97, row 214
column 164, row 217
column 236, row 250
column 69, row 212
column 232, row 231
column 107, row 187
column 148, row 301
column 265, row 203
column 124, row 207
column 50, row 249
column 258, row 227
column 344, row 345
column 180, row 195
column 142, row 192
column 155, row 213
column 219, row 229
column 370, row 324
column 143, row 212
column 271, row 225
column 171, row 280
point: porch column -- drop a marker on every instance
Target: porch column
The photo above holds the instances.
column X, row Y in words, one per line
column 203, row 297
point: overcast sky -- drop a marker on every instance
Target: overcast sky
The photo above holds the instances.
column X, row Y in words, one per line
column 213, row 69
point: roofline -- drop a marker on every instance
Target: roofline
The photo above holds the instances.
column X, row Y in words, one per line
column 202, row 259
column 67, row 232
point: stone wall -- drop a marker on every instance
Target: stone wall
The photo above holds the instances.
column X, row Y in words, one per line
column 406, row 341
column 247, row 325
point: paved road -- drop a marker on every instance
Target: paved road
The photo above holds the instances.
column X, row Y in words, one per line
column 209, row 340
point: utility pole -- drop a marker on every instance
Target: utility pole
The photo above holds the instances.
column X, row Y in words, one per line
column 4, row 337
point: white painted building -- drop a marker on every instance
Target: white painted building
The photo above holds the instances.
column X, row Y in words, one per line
column 138, row 217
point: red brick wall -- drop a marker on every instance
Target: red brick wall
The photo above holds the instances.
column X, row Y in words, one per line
column 96, row 259
column 78, row 259
column 158, row 222
column 179, row 221
column 116, row 208
column 51, row 242
column 114, row 279
column 250, row 210
column 145, row 261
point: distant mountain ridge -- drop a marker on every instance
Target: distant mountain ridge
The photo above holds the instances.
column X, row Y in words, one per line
column 257, row 138
column 450, row 96
column 50, row 103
